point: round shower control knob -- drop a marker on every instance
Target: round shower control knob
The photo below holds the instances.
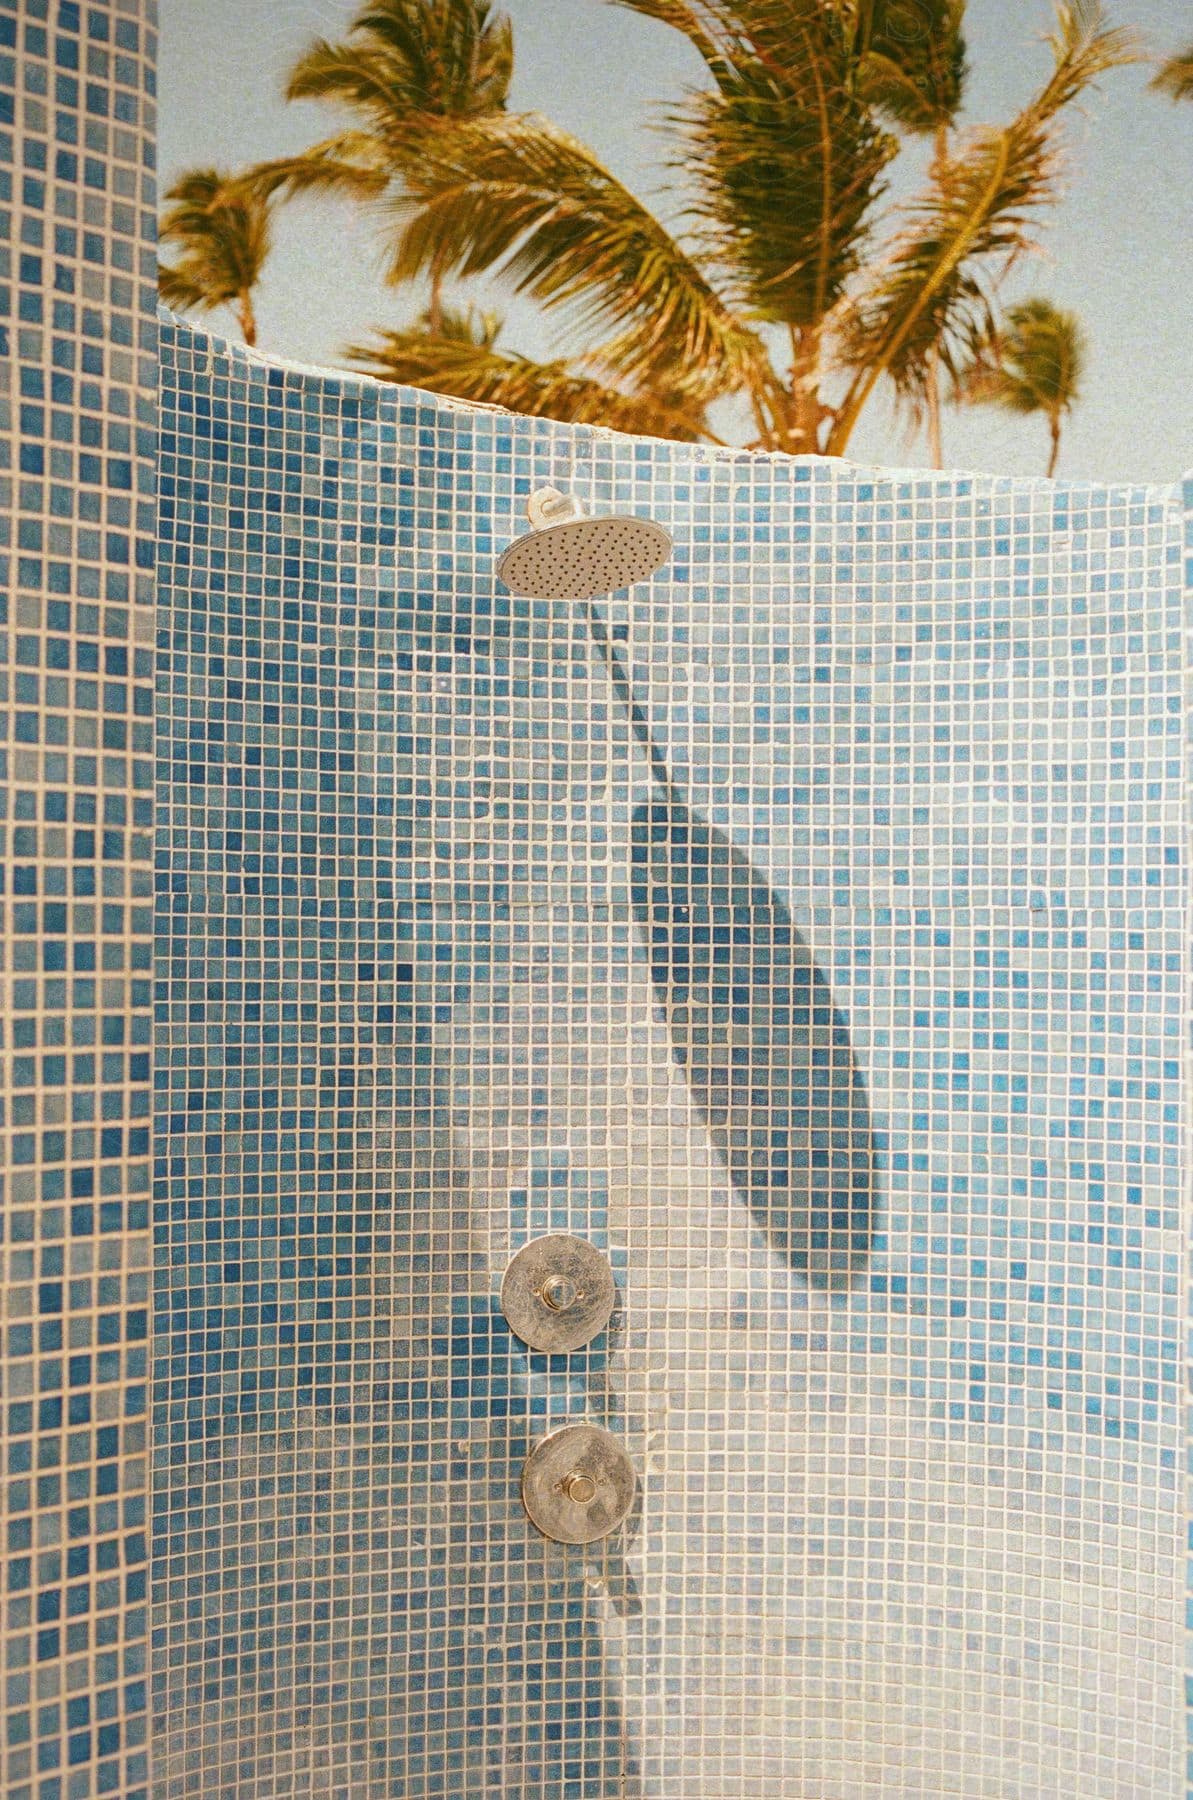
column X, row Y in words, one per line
column 578, row 1484
column 558, row 1293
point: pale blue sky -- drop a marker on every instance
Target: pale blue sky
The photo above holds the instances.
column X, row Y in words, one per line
column 1117, row 250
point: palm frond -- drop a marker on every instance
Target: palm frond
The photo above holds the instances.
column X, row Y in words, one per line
column 1034, row 361
column 477, row 371
column 355, row 76
column 406, row 58
column 1031, row 363
column 351, row 162
column 462, row 325
column 1174, row 77
column 977, row 211
column 462, row 51
column 787, row 156
column 703, row 25
column 912, row 63
column 220, row 229
column 515, row 195
column 179, row 291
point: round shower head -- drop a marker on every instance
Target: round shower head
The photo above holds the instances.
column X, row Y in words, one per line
column 581, row 558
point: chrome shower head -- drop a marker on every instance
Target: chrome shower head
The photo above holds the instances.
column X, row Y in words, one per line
column 569, row 557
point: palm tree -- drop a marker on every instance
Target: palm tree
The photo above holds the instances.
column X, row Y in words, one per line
column 1174, row 77
column 1034, row 364
column 405, row 68
column 457, row 353
column 933, row 290
column 221, row 230
column 914, row 70
column 774, row 289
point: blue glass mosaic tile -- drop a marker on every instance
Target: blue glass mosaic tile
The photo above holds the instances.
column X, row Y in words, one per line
column 807, row 928
column 1187, row 509
column 77, row 442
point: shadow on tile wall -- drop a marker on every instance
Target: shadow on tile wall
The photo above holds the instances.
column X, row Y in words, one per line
column 765, row 1052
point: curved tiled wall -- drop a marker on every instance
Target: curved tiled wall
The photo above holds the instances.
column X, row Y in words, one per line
column 856, row 1042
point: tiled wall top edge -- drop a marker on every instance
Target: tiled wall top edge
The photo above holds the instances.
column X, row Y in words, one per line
column 961, row 480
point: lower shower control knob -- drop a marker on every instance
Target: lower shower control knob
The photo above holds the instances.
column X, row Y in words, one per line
column 578, row 1484
column 558, row 1293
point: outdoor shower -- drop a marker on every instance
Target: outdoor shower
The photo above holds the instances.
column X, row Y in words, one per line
column 766, row 1055
column 753, row 1025
column 578, row 1483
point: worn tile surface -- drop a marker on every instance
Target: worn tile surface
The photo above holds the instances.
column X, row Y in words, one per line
column 77, row 382
column 850, row 1024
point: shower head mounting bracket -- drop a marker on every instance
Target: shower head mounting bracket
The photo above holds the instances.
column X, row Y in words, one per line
column 547, row 506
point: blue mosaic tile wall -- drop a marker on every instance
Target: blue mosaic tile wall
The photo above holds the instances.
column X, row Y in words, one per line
column 77, row 408
column 854, row 1035
column 1187, row 505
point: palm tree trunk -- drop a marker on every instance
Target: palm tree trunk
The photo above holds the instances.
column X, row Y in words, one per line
column 762, row 422
column 805, row 391
column 435, row 302
column 246, row 317
column 935, row 450
column 1054, row 434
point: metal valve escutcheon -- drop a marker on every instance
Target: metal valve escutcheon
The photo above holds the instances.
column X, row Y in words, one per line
column 558, row 1293
column 578, row 1484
